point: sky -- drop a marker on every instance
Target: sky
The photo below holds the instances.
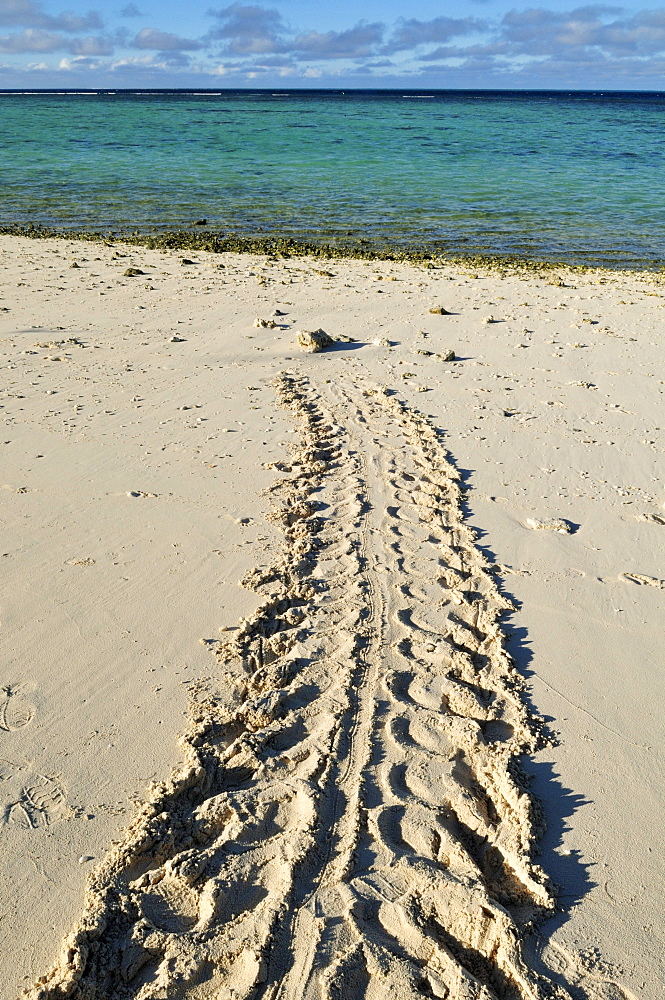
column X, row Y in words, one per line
column 419, row 44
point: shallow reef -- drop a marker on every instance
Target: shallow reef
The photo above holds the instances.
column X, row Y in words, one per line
column 211, row 241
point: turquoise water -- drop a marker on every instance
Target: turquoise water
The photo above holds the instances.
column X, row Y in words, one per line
column 568, row 176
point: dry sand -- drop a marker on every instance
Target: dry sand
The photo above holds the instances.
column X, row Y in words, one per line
column 315, row 785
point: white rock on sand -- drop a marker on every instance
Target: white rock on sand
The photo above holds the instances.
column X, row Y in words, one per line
column 313, row 341
column 548, row 524
column 134, row 469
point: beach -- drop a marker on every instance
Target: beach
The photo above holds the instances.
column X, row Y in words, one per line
column 514, row 491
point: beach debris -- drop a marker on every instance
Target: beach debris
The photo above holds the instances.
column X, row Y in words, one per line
column 382, row 342
column 85, row 858
column 323, row 274
column 490, row 319
column 446, row 355
column 343, row 338
column 200, row 222
column 426, row 354
column 265, row 324
column 75, row 265
column 278, row 312
column 185, row 261
column 439, row 311
column 54, row 344
column 641, row 580
column 549, row 524
column 176, row 340
column 313, row 341
column 133, row 272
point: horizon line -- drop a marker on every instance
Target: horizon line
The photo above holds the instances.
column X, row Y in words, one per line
column 325, row 90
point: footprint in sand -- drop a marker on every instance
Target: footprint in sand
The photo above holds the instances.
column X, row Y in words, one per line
column 33, row 800
column 15, row 709
column 598, row 979
column 653, row 518
column 644, row 581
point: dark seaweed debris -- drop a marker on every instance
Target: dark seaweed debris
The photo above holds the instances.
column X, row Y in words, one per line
column 276, row 246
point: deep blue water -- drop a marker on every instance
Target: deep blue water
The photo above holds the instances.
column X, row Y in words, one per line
column 559, row 175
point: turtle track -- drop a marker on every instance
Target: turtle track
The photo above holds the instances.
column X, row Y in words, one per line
column 354, row 824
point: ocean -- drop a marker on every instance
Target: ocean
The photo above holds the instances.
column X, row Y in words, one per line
column 571, row 176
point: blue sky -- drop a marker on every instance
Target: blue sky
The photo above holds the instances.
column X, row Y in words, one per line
column 293, row 43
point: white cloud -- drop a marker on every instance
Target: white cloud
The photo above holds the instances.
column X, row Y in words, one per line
column 32, row 40
column 359, row 41
column 248, row 29
column 539, row 31
column 39, row 40
column 412, row 33
column 163, row 41
column 93, row 45
column 30, row 14
column 587, row 46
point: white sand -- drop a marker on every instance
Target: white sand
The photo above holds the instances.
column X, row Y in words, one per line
column 133, row 480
